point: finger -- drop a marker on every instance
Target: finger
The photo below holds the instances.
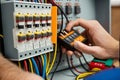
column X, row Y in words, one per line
column 64, row 50
column 77, row 54
column 78, row 22
column 83, row 47
column 70, row 52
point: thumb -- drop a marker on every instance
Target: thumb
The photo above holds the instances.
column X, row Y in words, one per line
column 83, row 47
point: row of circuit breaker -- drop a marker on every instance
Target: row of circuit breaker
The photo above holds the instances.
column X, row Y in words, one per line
column 69, row 9
column 29, row 28
column 33, row 29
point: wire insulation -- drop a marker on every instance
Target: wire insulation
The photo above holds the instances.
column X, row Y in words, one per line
column 53, row 61
column 1, row 35
column 70, row 66
column 83, row 75
column 25, row 65
column 35, row 66
column 71, row 60
column 19, row 64
column 44, row 67
column 31, row 66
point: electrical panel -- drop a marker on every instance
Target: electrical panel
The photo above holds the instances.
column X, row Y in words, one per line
column 28, row 29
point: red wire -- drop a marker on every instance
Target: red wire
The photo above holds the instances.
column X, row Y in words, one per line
column 40, row 67
column 25, row 65
column 39, row 64
column 71, row 60
column 40, row 1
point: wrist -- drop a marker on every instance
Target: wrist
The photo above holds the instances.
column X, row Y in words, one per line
column 116, row 50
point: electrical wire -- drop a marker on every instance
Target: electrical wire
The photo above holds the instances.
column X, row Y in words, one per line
column 71, row 60
column 52, row 2
column 45, row 1
column 40, row 1
column 60, row 58
column 19, row 64
column 83, row 75
column 1, row 35
column 35, row 1
column 40, row 66
column 44, row 67
column 81, row 64
column 42, row 59
column 53, row 61
column 60, row 49
column 31, row 66
column 70, row 66
column 25, row 65
column 48, row 61
column 35, row 66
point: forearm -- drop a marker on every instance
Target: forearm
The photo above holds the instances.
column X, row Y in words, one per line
column 9, row 71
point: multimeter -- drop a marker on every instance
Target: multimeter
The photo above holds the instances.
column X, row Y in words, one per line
column 67, row 38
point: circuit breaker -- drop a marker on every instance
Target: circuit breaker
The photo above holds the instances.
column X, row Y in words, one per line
column 27, row 29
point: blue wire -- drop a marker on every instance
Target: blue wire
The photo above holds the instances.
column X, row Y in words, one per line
column 35, row 66
column 35, row 1
column 44, row 67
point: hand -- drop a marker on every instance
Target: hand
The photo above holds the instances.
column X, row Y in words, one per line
column 9, row 71
column 105, row 46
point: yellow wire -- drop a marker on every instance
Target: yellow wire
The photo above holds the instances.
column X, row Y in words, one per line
column 45, row 1
column 19, row 64
column 83, row 75
column 53, row 61
column 42, row 59
column 31, row 66
column 1, row 35
column 48, row 62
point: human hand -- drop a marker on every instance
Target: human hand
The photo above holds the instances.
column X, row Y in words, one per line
column 9, row 71
column 104, row 45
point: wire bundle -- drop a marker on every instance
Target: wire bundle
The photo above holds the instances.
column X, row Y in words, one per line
column 41, row 65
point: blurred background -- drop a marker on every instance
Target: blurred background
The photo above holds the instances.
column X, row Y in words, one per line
column 115, row 27
column 115, row 19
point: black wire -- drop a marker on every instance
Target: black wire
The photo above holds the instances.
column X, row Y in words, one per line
column 60, row 10
column 70, row 66
column 59, row 61
column 85, row 62
column 60, row 48
column 81, row 64
column 61, row 28
column 84, row 59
